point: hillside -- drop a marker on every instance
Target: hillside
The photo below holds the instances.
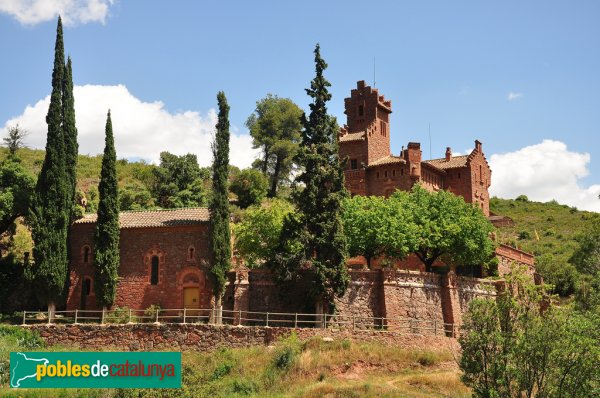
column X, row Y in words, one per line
column 549, row 231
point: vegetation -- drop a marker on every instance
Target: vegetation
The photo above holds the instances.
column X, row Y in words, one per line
column 70, row 137
column 106, row 238
column 51, row 207
column 16, row 188
column 220, row 234
column 275, row 128
column 14, row 140
column 290, row 368
column 315, row 233
column 510, row 348
column 250, row 186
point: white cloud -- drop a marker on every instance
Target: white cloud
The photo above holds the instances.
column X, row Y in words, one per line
column 141, row 129
column 513, row 96
column 31, row 12
column 544, row 172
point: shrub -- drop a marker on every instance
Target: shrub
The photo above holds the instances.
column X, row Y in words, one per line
column 522, row 198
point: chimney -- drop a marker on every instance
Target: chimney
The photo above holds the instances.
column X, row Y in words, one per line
column 478, row 146
column 360, row 84
column 448, row 154
column 414, row 159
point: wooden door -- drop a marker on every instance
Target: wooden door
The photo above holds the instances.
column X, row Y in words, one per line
column 191, row 300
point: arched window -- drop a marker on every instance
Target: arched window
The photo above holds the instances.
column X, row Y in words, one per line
column 191, row 253
column 154, row 270
column 86, row 254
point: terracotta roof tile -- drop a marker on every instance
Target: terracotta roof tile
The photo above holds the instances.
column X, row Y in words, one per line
column 387, row 160
column 156, row 218
column 455, row 162
column 352, row 137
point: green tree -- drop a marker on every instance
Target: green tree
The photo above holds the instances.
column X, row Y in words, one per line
column 510, row 348
column 257, row 234
column 375, row 226
column 275, row 128
column 16, row 189
column 250, row 186
column 70, row 134
column 586, row 257
column 50, row 210
column 178, row 181
column 15, row 140
column 135, row 196
column 106, row 239
column 317, row 195
column 444, row 225
column 219, row 206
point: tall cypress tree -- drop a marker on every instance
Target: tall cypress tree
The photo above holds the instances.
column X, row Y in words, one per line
column 70, row 133
column 106, row 239
column 49, row 216
column 219, row 205
column 318, row 193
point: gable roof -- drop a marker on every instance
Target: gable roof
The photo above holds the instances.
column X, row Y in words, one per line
column 453, row 163
column 352, row 137
column 387, row 160
column 155, row 218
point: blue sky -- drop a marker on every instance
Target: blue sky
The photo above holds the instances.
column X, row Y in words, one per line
column 523, row 77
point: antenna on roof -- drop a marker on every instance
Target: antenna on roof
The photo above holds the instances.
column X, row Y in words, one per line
column 374, row 83
column 430, row 141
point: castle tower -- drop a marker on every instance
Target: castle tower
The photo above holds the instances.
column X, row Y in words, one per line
column 368, row 122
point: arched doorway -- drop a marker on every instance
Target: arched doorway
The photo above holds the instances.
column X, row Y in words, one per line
column 191, row 281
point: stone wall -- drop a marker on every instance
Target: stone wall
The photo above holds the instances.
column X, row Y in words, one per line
column 148, row 337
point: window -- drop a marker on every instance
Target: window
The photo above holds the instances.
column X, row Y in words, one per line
column 191, row 253
column 385, row 174
column 382, row 128
column 480, row 173
column 377, row 174
column 394, row 173
column 361, row 110
column 154, row 271
column 87, row 287
column 353, row 164
column 86, row 254
column 459, row 176
column 401, row 172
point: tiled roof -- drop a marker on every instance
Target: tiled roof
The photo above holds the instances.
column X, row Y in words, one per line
column 156, row 218
column 352, row 137
column 454, row 162
column 387, row 160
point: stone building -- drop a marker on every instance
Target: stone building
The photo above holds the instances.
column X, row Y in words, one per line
column 371, row 169
column 164, row 260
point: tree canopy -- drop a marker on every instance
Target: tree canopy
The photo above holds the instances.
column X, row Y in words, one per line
column 275, row 128
column 15, row 139
column 16, row 188
column 179, row 181
column 250, row 186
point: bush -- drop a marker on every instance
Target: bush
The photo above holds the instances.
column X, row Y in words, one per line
column 250, row 186
column 524, row 235
column 522, row 198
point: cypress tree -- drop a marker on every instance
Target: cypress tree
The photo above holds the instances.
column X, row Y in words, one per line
column 49, row 216
column 318, row 193
column 219, row 205
column 106, row 239
column 70, row 133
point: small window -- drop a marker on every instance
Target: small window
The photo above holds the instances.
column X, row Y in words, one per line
column 154, row 271
column 382, row 127
column 86, row 254
column 361, row 110
column 191, row 253
column 377, row 174
column 385, row 174
column 401, row 172
column 353, row 164
column 459, row 175
column 394, row 173
column 87, row 286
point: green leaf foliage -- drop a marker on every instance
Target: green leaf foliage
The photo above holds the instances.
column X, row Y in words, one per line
column 317, row 195
column 510, row 348
column 179, row 181
column 586, row 257
column 219, row 206
column 257, row 234
column 250, row 186
column 70, row 133
column 51, row 206
column 106, row 239
column 275, row 128
column 16, row 188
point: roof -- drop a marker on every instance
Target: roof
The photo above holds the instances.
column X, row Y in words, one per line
column 387, row 160
column 453, row 163
column 352, row 137
column 155, row 218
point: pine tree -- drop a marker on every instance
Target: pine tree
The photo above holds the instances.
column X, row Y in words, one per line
column 49, row 214
column 70, row 133
column 106, row 239
column 219, row 205
column 318, row 193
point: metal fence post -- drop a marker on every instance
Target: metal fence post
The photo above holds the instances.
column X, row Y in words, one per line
column 75, row 316
column 156, row 320
column 184, row 314
column 240, row 318
column 295, row 320
column 325, row 322
column 267, row 325
column 130, row 320
column 103, row 316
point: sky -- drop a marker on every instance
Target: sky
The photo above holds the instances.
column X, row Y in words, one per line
column 522, row 77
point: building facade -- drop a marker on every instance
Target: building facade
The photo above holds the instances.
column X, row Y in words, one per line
column 371, row 169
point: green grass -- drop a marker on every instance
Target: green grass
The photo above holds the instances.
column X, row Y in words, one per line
column 290, row 368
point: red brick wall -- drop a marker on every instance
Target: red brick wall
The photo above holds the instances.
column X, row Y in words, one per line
column 380, row 184
column 137, row 245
